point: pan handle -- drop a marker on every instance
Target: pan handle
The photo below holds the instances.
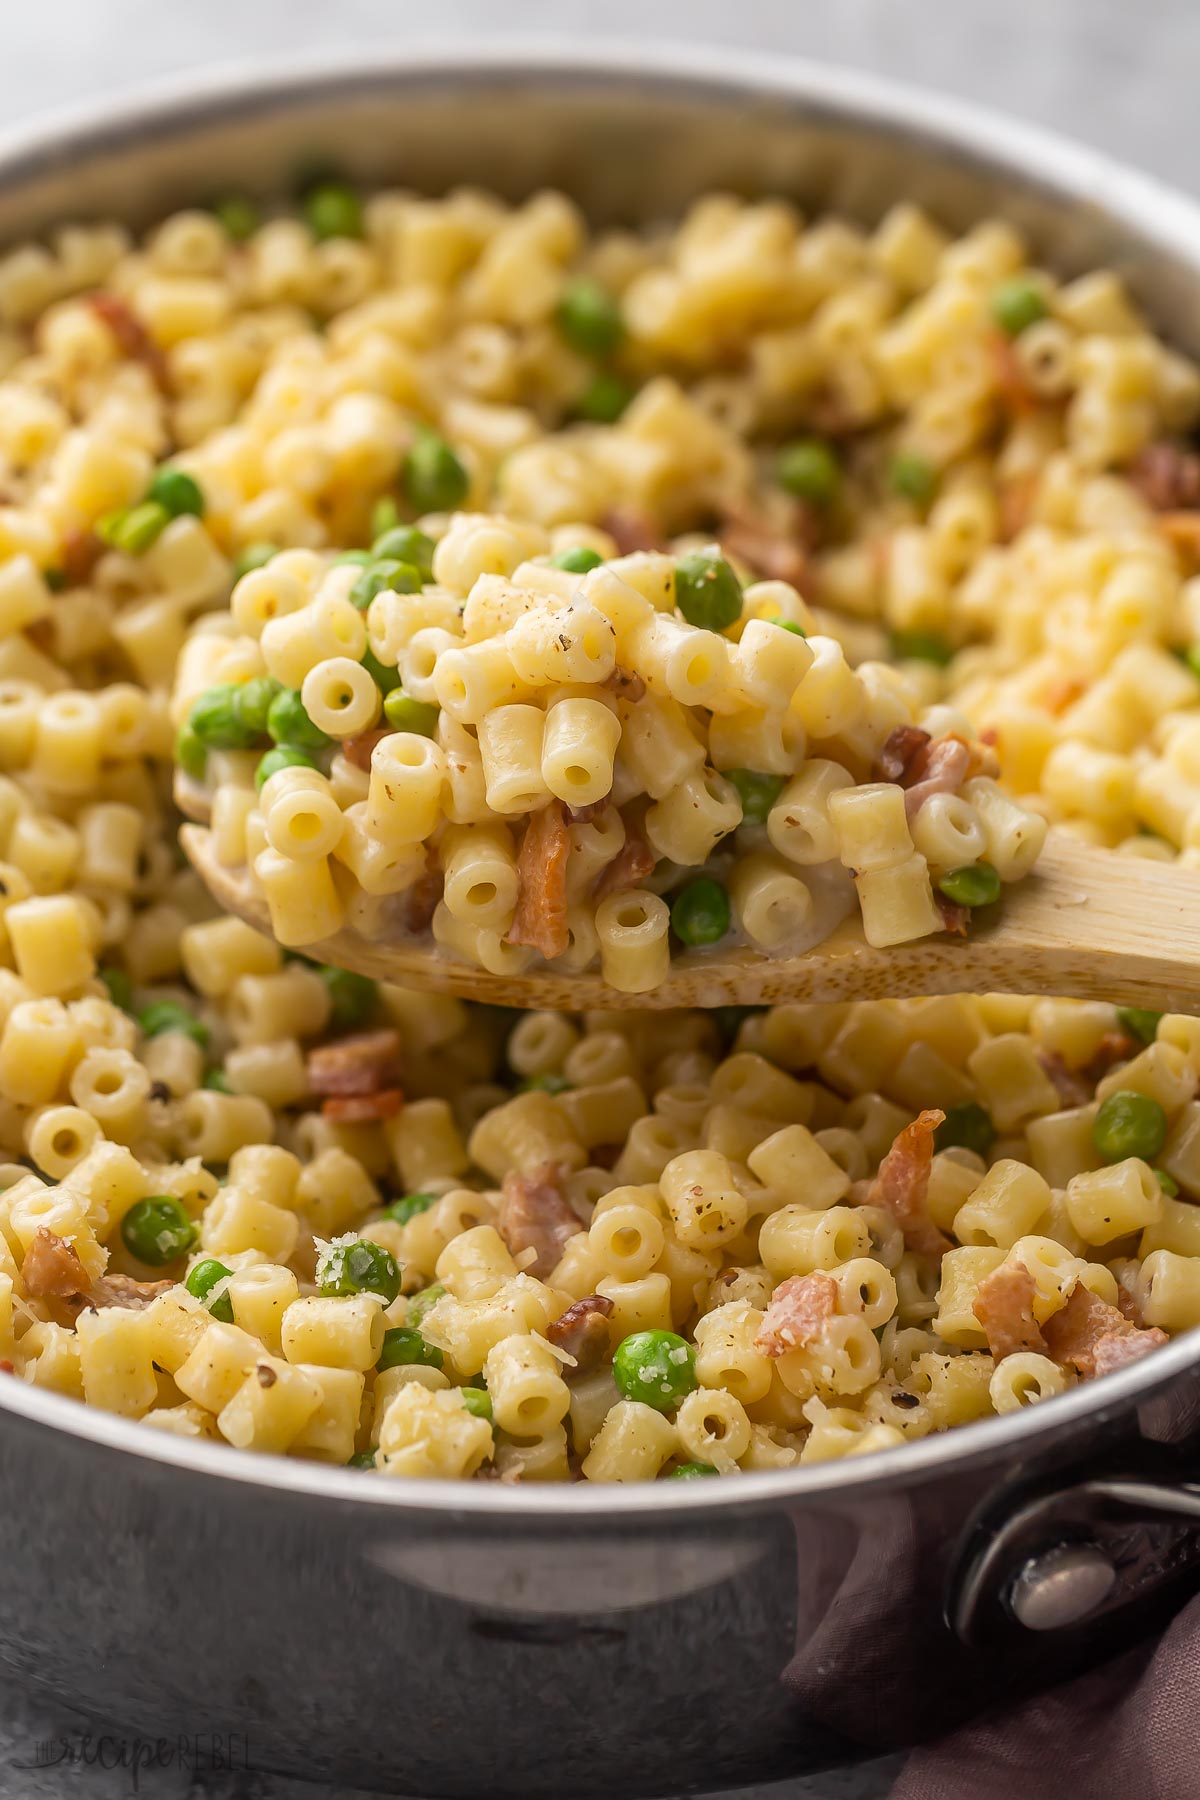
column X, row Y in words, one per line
column 1075, row 1556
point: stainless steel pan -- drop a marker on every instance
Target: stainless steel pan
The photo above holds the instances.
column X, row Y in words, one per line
column 481, row 1640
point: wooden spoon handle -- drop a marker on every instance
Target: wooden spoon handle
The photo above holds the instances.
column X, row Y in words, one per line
column 1087, row 923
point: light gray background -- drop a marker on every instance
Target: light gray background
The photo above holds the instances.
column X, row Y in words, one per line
column 1120, row 73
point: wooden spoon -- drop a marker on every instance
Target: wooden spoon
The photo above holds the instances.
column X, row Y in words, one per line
column 1087, row 923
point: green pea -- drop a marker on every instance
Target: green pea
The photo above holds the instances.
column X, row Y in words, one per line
column 689, row 1471
column 362, row 559
column 158, row 1230
column 1139, row 1022
column 977, row 884
column 579, row 560
column 655, row 1367
column 284, row 756
column 1191, row 657
column 214, row 720
column 700, row 912
column 544, row 1084
column 920, row 646
column 253, row 556
column 966, row 1127
column 190, row 753
column 358, row 1268
column 385, row 679
column 809, row 470
column 1167, row 1183
column 404, row 713
column 406, row 544
column 419, row 1304
column 252, row 704
column 478, row 1401
column 218, row 1081
column 384, row 515
column 707, row 592
column 434, row 479
column 363, row 1459
column 353, row 997
column 396, row 577
column 407, row 1207
column 177, row 493
column 133, row 531
column 168, row 1015
column 55, row 580
column 789, row 625
column 1129, row 1124
column 120, row 988
column 913, row 478
column 604, row 399
column 289, row 723
column 200, row 1281
column 239, row 216
column 403, row 1345
column 333, row 209
column 589, row 318
column 730, row 1019
column 757, row 793
column 1017, row 304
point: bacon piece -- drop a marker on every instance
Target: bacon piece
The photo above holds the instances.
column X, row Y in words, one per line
column 362, row 1109
column 357, row 750
column 540, row 919
column 1070, row 1086
column 1128, row 1304
column 940, row 768
column 1182, row 532
column 955, row 917
column 582, row 1331
column 81, row 551
column 1004, row 1307
column 631, row 529
column 1167, row 476
column 1062, row 692
column 1114, row 1047
column 52, row 1270
column 627, row 684
column 1016, row 497
column 1082, row 1332
column 797, row 1313
column 124, row 1291
column 7, row 1368
column 776, row 552
column 901, row 745
column 632, row 863
column 535, row 1215
column 132, row 336
column 363, row 1064
column 1012, row 386
column 902, row 1184
column 583, row 815
column 419, row 903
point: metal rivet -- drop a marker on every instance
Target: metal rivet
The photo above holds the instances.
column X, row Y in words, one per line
column 1061, row 1586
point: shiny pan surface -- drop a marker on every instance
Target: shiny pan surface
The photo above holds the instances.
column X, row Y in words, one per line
column 467, row 1640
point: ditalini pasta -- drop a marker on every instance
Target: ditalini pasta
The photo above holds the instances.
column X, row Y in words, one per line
column 578, row 597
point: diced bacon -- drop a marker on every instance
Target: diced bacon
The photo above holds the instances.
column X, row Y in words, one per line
column 362, row 1109
column 132, row 336
column 902, row 1184
column 798, row 1311
column 631, row 529
column 536, row 1215
column 778, row 552
column 626, row 684
column 52, row 1270
column 1070, row 1085
column 1182, row 532
column 1077, row 1331
column 418, row 903
column 1114, row 1047
column 1128, row 1304
column 1167, row 476
column 901, row 745
column 955, row 917
column 358, row 750
column 583, row 815
column 362, row 1064
column 1062, row 692
column 582, row 1331
column 124, row 1291
column 632, row 863
column 1117, row 1348
column 940, row 768
column 7, row 1368
column 81, row 551
column 540, row 919
column 1004, row 1307
column 1016, row 497
column 1012, row 385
